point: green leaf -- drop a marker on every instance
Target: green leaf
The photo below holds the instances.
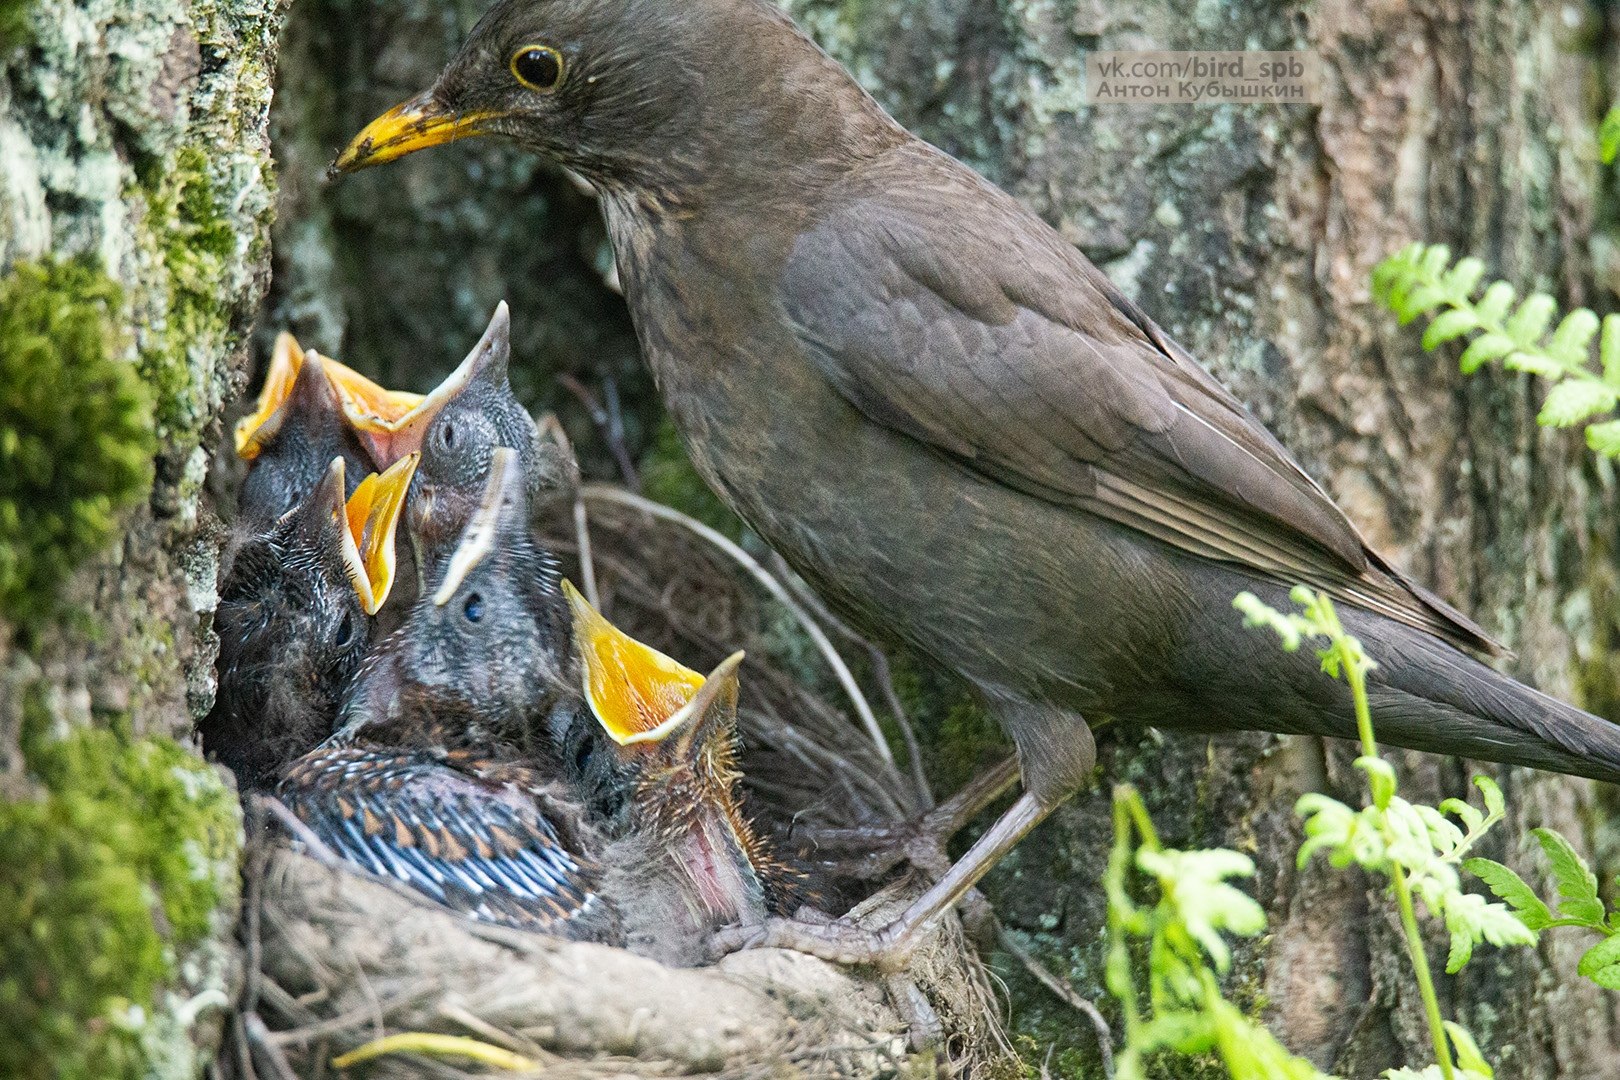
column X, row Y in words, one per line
column 1468, row 1056
column 1576, row 883
column 1601, row 963
column 1527, row 324
column 1448, row 326
column 1461, row 280
column 1604, row 437
column 1609, row 136
column 1493, row 306
column 1535, row 362
column 1469, row 816
column 1575, row 401
column 1483, row 349
column 1509, row 886
column 1420, row 301
column 1572, row 341
column 1495, row 805
column 1434, row 261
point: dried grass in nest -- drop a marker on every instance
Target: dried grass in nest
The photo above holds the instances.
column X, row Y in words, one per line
column 338, row 959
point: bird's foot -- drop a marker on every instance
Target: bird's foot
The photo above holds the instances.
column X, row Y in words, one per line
column 874, row 850
column 888, row 949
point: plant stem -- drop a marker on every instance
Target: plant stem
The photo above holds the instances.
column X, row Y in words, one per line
column 1357, row 679
column 1420, row 967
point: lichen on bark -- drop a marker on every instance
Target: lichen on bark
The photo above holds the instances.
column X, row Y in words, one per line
column 134, row 211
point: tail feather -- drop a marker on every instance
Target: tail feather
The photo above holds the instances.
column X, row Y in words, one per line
column 1428, row 696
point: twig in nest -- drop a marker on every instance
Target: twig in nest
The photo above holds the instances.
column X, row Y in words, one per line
column 1105, row 1038
column 430, row 1043
column 880, row 671
column 609, row 422
column 618, row 496
column 259, row 1038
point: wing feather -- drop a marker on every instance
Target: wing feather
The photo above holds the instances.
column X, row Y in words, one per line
column 1024, row 363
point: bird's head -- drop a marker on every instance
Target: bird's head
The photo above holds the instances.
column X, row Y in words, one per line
column 486, row 638
column 456, row 429
column 649, row 94
column 293, row 615
column 297, row 427
column 657, row 756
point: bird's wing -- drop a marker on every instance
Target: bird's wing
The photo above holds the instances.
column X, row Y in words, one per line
column 480, row 848
column 939, row 307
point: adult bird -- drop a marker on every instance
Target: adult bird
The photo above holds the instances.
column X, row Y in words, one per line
column 294, row 620
column 950, row 422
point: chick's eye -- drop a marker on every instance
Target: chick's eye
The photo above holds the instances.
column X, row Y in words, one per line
column 345, row 631
column 473, row 608
column 447, row 435
column 539, row 67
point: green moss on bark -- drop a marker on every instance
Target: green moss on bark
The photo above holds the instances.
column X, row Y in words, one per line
column 76, row 436
column 115, row 870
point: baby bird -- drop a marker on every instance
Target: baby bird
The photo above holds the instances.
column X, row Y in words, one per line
column 456, row 428
column 297, row 428
column 294, row 620
column 427, row 781
column 654, row 757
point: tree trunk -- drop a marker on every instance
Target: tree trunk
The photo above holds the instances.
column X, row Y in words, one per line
column 135, row 198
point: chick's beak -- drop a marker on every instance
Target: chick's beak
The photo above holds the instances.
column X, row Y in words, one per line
column 285, row 363
column 372, row 516
column 412, row 125
column 396, row 426
column 636, row 693
column 366, row 402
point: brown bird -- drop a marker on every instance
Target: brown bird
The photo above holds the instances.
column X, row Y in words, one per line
column 950, row 422
column 294, row 620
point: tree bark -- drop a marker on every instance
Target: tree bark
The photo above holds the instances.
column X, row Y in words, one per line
column 135, row 198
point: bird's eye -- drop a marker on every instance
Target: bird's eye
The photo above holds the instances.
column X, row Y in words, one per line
column 539, row 67
column 447, row 435
column 345, row 631
column 473, row 608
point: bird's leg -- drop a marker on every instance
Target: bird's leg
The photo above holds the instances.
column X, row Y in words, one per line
column 921, row 841
column 890, row 948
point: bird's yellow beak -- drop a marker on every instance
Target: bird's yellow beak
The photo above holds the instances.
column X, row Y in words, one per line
column 285, row 363
column 372, row 517
column 638, row 694
column 366, row 402
column 409, row 126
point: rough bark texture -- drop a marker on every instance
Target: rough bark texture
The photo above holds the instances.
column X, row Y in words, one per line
column 135, row 196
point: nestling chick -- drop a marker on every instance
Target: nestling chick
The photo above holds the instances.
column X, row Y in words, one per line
column 425, row 781
column 290, row 438
column 294, row 621
column 456, row 428
column 654, row 757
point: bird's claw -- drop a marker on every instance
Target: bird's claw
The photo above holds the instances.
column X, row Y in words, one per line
column 839, row 942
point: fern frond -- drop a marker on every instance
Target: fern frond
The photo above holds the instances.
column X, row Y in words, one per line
column 1420, row 281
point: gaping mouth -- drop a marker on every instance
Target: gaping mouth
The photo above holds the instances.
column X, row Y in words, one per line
column 412, row 125
column 371, row 519
column 393, row 424
column 638, row 694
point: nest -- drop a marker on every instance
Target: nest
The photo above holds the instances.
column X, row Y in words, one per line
column 337, row 959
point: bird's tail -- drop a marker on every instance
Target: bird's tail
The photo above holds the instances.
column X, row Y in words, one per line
column 1426, row 695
